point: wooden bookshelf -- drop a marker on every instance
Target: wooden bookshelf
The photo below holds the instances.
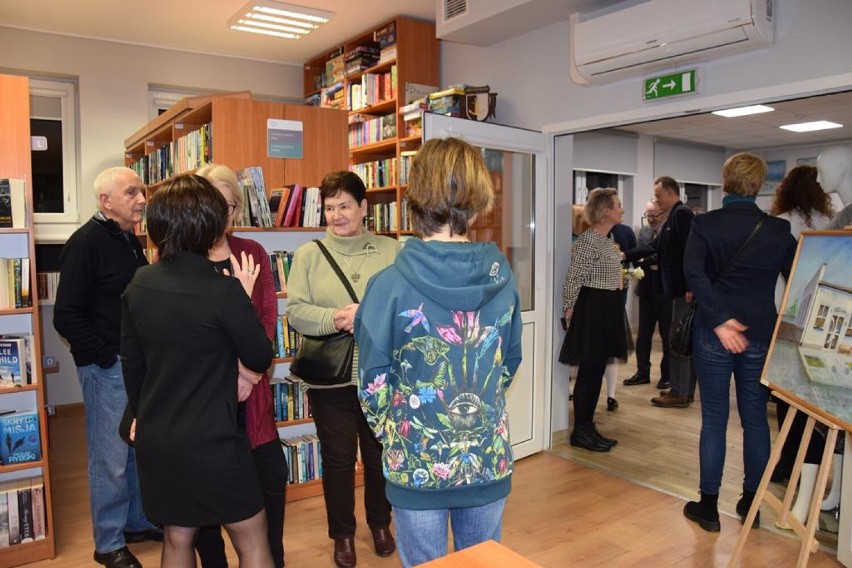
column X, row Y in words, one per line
column 416, row 63
column 15, row 164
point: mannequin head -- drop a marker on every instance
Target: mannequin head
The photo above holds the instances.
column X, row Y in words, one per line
column 834, row 167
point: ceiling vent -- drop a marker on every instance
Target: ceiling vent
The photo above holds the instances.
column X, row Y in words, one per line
column 454, row 8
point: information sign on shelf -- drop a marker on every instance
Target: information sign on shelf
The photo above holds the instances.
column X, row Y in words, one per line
column 671, row 85
column 284, row 138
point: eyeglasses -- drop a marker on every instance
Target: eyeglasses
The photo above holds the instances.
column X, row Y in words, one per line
column 232, row 207
column 651, row 215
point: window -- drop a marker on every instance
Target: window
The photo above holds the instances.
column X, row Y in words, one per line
column 53, row 126
column 586, row 181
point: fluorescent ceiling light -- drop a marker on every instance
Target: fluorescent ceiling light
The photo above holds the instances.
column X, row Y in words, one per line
column 743, row 111
column 811, row 126
column 268, row 17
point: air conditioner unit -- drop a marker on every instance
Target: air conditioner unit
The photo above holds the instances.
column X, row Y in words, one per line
column 664, row 33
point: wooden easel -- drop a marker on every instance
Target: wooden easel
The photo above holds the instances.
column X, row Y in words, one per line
column 785, row 518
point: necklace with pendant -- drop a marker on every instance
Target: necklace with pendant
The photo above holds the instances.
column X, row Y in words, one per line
column 355, row 274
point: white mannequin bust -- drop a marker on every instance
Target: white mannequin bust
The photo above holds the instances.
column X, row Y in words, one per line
column 834, row 174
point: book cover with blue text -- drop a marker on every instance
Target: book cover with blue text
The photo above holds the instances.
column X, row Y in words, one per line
column 20, row 441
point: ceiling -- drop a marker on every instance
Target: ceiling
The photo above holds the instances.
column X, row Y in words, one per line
column 200, row 26
column 759, row 131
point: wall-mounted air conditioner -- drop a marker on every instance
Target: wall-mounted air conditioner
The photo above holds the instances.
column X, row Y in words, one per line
column 665, row 33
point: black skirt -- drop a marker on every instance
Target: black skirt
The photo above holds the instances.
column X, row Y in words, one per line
column 598, row 328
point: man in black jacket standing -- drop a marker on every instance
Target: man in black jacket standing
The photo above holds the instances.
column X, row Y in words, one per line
column 96, row 264
column 669, row 247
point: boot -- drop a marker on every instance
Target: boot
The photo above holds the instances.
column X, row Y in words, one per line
column 584, row 437
column 608, row 441
column 704, row 512
column 744, row 505
column 833, row 498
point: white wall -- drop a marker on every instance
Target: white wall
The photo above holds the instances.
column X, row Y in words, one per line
column 113, row 83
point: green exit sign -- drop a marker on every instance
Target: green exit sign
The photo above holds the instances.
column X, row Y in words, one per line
column 670, row 85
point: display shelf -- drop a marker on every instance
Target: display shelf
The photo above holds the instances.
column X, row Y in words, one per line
column 15, row 164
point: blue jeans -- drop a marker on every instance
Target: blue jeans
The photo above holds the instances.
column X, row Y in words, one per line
column 114, row 494
column 421, row 536
column 714, row 366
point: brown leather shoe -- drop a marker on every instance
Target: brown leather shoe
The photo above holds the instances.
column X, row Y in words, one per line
column 383, row 541
column 344, row 552
column 668, row 400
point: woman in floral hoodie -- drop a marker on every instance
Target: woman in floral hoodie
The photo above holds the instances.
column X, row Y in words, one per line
column 439, row 333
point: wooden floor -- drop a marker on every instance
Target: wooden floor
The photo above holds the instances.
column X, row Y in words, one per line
column 560, row 513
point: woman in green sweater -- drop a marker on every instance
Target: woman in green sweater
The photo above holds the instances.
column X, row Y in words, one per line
column 318, row 304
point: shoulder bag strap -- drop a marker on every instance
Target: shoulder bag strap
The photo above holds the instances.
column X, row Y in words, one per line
column 742, row 247
column 337, row 271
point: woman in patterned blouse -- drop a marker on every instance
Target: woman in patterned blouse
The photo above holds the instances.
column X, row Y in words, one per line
column 592, row 304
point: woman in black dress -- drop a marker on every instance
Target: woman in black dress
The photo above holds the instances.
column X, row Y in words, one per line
column 593, row 307
column 184, row 327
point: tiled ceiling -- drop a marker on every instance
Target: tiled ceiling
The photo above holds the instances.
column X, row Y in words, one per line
column 760, row 131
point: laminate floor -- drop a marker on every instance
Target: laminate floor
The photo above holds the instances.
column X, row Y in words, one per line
column 658, row 448
column 560, row 514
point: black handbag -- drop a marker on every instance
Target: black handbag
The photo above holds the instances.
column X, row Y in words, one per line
column 680, row 337
column 326, row 360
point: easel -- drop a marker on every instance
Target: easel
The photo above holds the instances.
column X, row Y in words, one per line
column 785, row 518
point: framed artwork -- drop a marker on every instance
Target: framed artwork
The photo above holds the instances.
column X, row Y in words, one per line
column 810, row 357
column 777, row 170
column 806, row 161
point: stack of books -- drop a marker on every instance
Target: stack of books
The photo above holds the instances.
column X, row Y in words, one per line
column 361, row 58
column 22, row 511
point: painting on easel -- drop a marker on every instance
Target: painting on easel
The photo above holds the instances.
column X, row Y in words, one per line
column 810, row 358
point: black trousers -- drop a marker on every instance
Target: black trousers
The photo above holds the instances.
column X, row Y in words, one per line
column 587, row 390
column 654, row 308
column 272, row 473
column 342, row 429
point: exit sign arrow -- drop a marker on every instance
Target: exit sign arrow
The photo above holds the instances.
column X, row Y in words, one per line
column 671, row 85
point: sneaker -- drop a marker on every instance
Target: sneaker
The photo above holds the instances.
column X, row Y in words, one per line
column 668, row 400
column 121, row 558
column 639, row 378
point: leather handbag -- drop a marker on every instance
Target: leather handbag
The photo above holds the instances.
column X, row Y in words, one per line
column 326, row 360
column 680, row 337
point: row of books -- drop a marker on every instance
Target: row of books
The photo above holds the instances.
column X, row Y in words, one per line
column 405, row 159
column 16, row 363
column 15, row 283
column 187, row 153
column 13, row 204
column 373, row 88
column 303, row 458
column 280, row 260
column 20, row 439
column 368, row 130
column 296, row 206
column 256, row 211
column 46, row 284
column 380, row 173
column 287, row 340
column 290, row 401
column 22, row 511
column 389, row 217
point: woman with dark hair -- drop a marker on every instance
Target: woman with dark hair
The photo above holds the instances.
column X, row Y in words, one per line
column 318, row 304
column 733, row 258
column 184, row 327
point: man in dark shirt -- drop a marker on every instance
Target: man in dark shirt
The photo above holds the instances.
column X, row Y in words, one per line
column 669, row 247
column 96, row 264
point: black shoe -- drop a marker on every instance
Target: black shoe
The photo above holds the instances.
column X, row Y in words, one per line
column 743, row 506
column 607, row 441
column 611, row 403
column 781, row 473
column 704, row 512
column 664, row 384
column 639, row 378
column 584, row 437
column 133, row 537
column 121, row 558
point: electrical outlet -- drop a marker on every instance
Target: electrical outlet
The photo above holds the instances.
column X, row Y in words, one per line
column 49, row 363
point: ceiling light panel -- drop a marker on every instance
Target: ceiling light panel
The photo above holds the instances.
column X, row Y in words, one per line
column 811, row 126
column 277, row 19
column 743, row 111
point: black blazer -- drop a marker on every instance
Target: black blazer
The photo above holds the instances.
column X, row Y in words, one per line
column 746, row 291
column 669, row 246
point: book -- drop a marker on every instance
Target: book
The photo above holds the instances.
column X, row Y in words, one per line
column 290, row 218
column 25, row 510
column 4, row 518
column 11, row 497
column 13, row 353
column 39, row 508
column 20, row 439
column 13, row 204
column 5, row 204
column 281, row 207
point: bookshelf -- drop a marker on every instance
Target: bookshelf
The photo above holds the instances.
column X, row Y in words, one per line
column 20, row 243
column 376, row 147
column 237, row 137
